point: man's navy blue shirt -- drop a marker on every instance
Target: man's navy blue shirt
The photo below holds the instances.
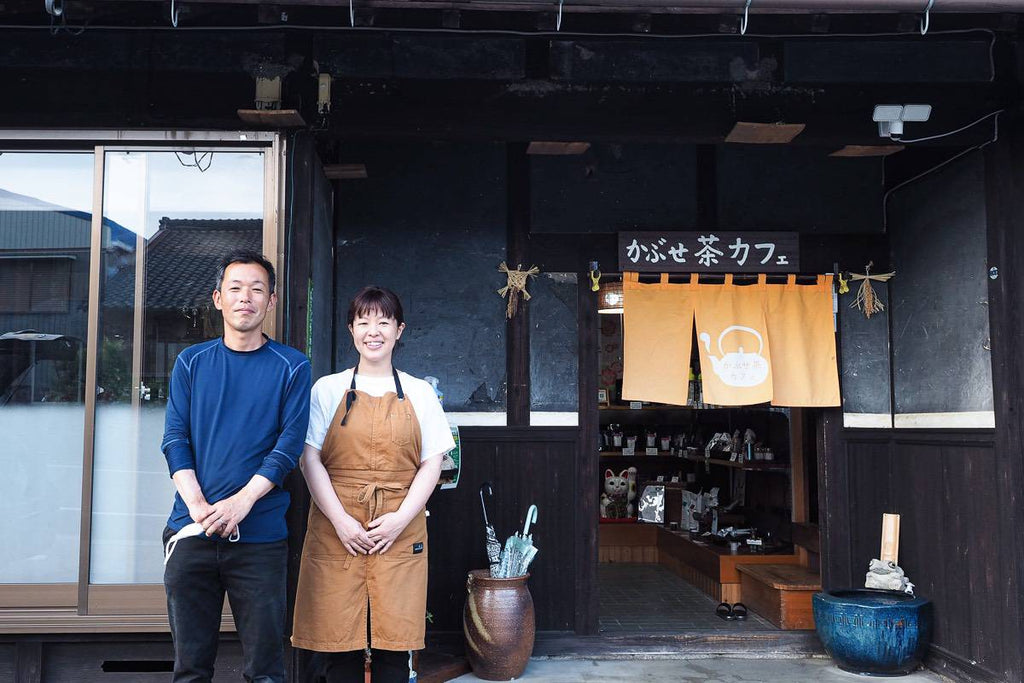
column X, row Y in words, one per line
column 233, row 414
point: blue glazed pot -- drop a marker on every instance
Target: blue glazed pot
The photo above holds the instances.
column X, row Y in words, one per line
column 874, row 632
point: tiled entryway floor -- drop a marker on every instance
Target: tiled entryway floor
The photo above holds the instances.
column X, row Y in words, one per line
column 648, row 598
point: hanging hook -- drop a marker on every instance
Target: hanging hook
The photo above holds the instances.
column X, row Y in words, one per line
column 174, row 15
column 746, row 17
column 926, row 19
column 486, row 485
column 53, row 9
column 531, row 518
column 351, row 14
column 558, row 21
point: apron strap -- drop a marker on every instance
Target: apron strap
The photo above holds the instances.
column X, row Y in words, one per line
column 350, row 395
column 398, row 384
column 372, row 495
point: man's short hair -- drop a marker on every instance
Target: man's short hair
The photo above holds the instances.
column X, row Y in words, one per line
column 245, row 256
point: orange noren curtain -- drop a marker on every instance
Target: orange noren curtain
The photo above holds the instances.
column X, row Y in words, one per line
column 732, row 337
column 802, row 333
column 657, row 328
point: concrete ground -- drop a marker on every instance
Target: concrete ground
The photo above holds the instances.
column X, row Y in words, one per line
column 710, row 670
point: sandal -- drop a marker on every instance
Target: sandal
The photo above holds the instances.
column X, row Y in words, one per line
column 739, row 611
column 724, row 611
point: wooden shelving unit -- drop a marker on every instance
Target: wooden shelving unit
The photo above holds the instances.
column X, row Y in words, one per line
column 757, row 465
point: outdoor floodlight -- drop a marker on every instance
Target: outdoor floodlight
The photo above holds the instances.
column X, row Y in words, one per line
column 890, row 117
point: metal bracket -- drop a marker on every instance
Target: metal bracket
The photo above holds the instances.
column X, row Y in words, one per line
column 745, row 19
column 926, row 19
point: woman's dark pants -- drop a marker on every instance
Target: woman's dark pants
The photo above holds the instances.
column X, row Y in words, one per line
column 386, row 666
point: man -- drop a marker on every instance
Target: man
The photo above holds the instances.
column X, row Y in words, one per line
column 236, row 422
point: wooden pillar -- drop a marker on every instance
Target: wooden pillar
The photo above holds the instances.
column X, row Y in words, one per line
column 1004, row 198
column 707, row 186
column 28, row 661
column 587, row 464
column 517, row 330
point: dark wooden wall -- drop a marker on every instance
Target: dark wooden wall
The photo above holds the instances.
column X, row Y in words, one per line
column 526, row 465
column 958, row 491
column 943, row 484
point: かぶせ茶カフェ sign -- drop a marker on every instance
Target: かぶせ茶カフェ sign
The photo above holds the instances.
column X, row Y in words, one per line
column 709, row 251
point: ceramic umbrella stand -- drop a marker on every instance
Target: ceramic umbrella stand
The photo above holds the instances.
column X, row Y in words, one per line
column 875, row 632
column 498, row 623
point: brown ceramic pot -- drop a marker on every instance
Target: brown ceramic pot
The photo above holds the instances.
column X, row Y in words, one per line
column 498, row 623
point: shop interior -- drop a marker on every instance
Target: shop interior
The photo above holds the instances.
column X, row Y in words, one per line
column 734, row 547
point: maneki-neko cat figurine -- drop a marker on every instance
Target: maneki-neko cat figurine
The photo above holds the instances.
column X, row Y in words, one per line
column 619, row 494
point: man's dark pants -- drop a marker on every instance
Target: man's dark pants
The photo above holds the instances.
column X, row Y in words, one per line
column 196, row 577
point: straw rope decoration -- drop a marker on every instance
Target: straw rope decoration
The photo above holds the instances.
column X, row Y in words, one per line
column 517, row 280
column 866, row 300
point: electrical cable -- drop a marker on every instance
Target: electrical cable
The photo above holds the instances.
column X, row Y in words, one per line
column 953, row 132
column 959, row 155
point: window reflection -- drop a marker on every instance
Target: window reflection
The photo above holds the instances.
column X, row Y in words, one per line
column 168, row 220
column 45, row 227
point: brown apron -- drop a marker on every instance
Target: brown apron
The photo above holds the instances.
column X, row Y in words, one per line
column 372, row 454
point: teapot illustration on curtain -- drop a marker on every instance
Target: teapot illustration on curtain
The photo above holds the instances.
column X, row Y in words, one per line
column 739, row 368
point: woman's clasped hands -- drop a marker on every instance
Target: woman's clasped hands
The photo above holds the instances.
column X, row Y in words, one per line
column 378, row 538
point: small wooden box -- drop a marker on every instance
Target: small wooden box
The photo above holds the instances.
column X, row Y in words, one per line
column 781, row 593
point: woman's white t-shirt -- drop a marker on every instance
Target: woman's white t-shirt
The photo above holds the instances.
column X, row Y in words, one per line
column 329, row 392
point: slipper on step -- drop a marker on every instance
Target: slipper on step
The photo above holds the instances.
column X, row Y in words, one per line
column 724, row 611
column 739, row 611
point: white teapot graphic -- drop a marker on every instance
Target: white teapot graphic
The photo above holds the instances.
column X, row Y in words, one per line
column 738, row 369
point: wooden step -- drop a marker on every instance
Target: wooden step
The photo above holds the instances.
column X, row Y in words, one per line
column 781, row 593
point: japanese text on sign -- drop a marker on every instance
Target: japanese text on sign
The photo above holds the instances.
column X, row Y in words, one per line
column 709, row 251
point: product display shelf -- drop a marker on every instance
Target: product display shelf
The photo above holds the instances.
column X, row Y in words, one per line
column 659, row 456
column 756, row 465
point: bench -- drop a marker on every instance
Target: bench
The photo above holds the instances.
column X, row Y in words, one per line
column 781, row 593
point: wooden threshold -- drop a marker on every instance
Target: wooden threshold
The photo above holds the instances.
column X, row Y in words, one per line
column 693, row 643
column 35, row 621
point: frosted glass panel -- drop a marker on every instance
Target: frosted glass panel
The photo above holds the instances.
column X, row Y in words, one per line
column 45, row 223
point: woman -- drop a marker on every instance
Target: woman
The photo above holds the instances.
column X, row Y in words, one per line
column 372, row 458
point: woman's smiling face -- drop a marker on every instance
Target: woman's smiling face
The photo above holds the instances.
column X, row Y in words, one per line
column 374, row 336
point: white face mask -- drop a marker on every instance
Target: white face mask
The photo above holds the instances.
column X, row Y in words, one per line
column 187, row 531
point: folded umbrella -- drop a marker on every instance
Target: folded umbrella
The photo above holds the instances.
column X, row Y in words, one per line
column 491, row 538
column 519, row 550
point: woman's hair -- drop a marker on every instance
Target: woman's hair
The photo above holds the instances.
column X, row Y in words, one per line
column 376, row 299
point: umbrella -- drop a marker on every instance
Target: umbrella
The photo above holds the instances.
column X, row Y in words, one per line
column 493, row 546
column 519, row 549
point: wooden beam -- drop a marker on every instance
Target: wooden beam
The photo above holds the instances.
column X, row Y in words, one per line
column 764, row 133
column 557, row 148
column 345, row 171
column 867, row 151
column 798, row 7
column 272, row 118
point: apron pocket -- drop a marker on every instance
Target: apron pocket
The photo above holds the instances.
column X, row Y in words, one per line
column 411, row 544
column 401, row 427
column 408, row 551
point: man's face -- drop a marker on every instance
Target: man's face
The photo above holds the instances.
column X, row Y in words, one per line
column 244, row 297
